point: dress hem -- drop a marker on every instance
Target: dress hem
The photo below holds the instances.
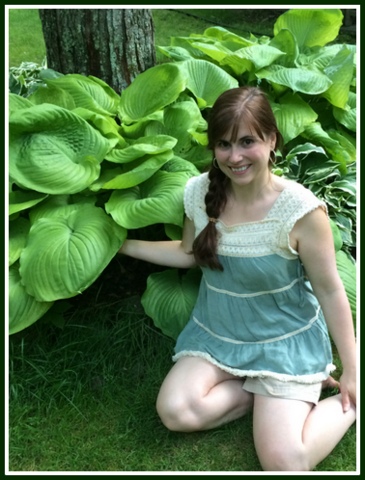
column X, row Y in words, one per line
column 306, row 379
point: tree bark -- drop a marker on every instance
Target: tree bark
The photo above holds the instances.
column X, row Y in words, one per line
column 114, row 45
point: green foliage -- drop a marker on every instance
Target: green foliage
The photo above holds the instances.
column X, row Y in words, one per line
column 86, row 164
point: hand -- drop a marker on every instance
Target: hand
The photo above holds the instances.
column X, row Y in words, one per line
column 348, row 390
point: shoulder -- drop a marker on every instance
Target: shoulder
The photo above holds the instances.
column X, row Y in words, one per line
column 301, row 199
column 194, row 194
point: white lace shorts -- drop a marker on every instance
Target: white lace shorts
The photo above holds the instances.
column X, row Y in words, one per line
column 272, row 387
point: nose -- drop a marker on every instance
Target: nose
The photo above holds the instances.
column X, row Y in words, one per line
column 236, row 155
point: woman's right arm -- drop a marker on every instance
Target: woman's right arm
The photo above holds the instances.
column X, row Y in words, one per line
column 170, row 253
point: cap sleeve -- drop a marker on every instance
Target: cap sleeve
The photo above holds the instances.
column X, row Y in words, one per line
column 194, row 195
column 301, row 201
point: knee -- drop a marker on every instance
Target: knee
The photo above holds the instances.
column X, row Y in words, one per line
column 275, row 459
column 177, row 415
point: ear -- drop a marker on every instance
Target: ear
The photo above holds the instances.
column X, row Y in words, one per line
column 272, row 140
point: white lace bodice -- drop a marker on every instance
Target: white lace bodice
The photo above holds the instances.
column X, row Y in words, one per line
column 264, row 237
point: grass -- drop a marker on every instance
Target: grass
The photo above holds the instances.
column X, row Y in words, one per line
column 82, row 398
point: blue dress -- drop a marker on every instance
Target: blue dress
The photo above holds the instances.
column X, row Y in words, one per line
column 259, row 317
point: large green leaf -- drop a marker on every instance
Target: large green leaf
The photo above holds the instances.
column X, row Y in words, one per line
column 64, row 256
column 346, row 267
column 149, row 145
column 89, row 92
column 16, row 102
column 311, row 27
column 24, row 310
column 297, row 79
column 20, row 200
column 340, row 71
column 138, row 171
column 18, row 234
column 252, row 58
column 170, row 297
column 157, row 200
column 206, row 81
column 52, row 150
column 151, row 91
column 292, row 114
column 347, row 116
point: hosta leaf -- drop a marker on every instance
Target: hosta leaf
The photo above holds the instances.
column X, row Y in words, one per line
column 347, row 270
column 293, row 114
column 297, row 79
column 169, row 299
column 18, row 234
column 206, row 81
column 340, row 71
column 175, row 53
column 347, row 116
column 286, row 42
column 54, row 95
column 158, row 200
column 20, row 200
column 138, row 171
column 52, row 150
column 88, row 92
column 24, row 310
column 311, row 27
column 258, row 56
column 64, row 256
column 17, row 102
column 150, row 145
column 60, row 206
column 151, row 91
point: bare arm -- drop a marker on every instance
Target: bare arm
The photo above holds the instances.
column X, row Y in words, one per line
column 171, row 253
column 312, row 238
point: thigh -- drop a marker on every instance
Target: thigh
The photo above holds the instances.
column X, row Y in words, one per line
column 193, row 376
column 278, row 423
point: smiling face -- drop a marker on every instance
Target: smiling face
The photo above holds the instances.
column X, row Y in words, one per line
column 242, row 132
column 245, row 157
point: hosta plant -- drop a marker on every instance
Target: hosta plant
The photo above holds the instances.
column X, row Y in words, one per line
column 87, row 166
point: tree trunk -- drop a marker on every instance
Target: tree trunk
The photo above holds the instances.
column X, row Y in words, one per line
column 114, row 45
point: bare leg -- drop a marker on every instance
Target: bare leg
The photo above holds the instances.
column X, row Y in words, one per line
column 292, row 435
column 197, row 395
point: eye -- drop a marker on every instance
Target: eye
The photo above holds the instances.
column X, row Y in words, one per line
column 222, row 144
column 246, row 141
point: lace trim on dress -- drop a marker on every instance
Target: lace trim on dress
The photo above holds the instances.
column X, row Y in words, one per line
column 307, row 379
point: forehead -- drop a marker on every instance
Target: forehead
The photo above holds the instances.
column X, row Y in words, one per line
column 239, row 131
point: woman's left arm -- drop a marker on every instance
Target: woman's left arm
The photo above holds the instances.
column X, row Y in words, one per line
column 312, row 238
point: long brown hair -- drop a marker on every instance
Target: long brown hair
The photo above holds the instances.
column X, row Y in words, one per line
column 231, row 109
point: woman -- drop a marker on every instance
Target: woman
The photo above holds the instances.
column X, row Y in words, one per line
column 258, row 337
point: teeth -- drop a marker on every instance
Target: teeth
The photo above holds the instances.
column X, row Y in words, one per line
column 240, row 169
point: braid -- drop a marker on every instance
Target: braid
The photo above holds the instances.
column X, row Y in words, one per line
column 205, row 244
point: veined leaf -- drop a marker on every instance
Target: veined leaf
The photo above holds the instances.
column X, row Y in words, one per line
column 157, row 200
column 20, row 200
column 17, row 102
column 229, row 40
column 24, row 310
column 259, row 56
column 311, row 27
column 149, row 145
column 18, row 233
column 206, row 81
column 169, row 299
column 293, row 114
column 89, row 92
column 286, row 42
column 347, row 116
column 138, row 171
column 151, row 91
column 52, row 150
column 64, row 256
column 340, row 71
column 175, row 53
column 297, row 79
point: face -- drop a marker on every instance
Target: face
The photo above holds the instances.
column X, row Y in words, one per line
column 246, row 159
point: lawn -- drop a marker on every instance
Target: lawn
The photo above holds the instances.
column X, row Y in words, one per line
column 82, row 393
